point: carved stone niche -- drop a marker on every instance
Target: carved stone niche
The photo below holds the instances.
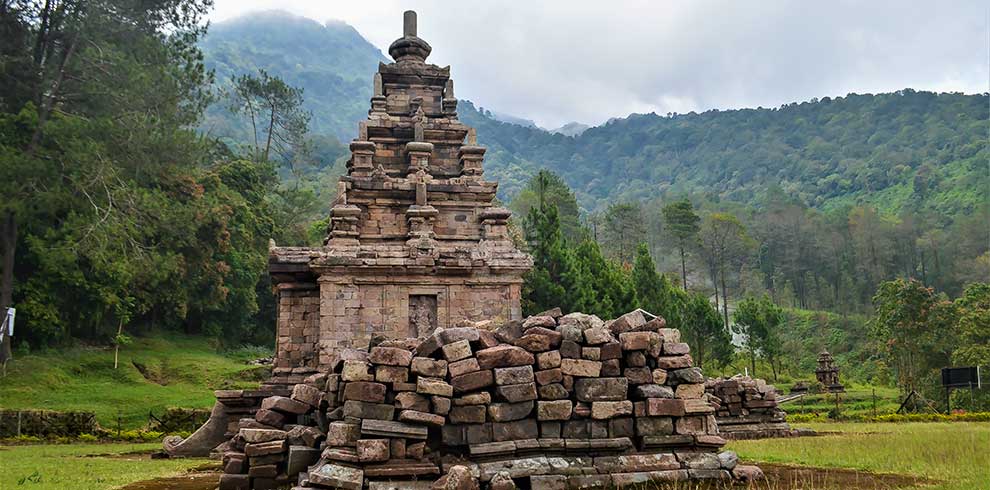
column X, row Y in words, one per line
column 422, row 314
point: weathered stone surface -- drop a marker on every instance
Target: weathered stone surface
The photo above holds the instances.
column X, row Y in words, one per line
column 270, row 418
column 265, row 448
column 654, row 426
column 457, row 350
column 699, row 460
column 628, row 322
column 570, row 349
column 638, row 375
column 388, row 428
column 659, row 376
column 481, row 398
column 660, row 407
column 607, row 410
column 412, row 401
column 554, row 410
column 285, row 405
column 343, row 434
column 517, row 393
column 548, row 360
column 686, row 375
column 433, row 386
column 514, row 375
column 671, row 335
column 337, row 476
column 580, row 368
column 689, row 390
column 747, row 473
column 591, row 353
column 417, row 417
column 473, row 381
column 463, row 366
column 526, row 428
column 504, row 356
column 727, row 460
column 674, row 362
column 440, row 405
column 654, row 391
column 372, row 450
column 635, row 358
column 611, row 350
column 468, row 414
column 424, row 366
column 675, row 348
column 307, row 394
column 390, row 356
column 365, row 391
column 235, row 482
column 601, row 389
column 611, row 368
column 300, row 458
column 597, row 336
column 365, row 410
column 691, row 425
column 506, row 412
column 549, row 376
column 457, row 334
column 262, row 435
column 545, row 321
column 555, row 391
column 638, row 340
column 458, row 477
column 356, row 371
column 696, row 406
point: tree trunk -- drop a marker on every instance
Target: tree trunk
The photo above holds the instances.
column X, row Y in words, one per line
column 8, row 241
column 725, row 300
column 116, row 348
column 683, row 270
column 752, row 362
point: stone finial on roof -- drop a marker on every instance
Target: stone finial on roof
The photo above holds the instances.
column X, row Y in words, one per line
column 472, row 137
column 409, row 47
column 378, row 88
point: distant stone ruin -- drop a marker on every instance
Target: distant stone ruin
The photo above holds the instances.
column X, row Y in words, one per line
column 747, row 408
column 827, row 374
column 552, row 402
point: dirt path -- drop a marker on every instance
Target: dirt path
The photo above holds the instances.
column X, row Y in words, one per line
column 206, row 480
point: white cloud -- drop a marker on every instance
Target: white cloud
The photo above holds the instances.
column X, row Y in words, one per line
column 557, row 61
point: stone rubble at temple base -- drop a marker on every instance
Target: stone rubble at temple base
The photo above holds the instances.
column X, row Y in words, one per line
column 492, row 423
column 747, row 408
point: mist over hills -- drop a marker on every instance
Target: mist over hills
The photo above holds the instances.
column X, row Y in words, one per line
column 906, row 150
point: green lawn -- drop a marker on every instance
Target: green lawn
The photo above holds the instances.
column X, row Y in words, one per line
column 64, row 467
column 957, row 454
column 179, row 371
column 856, row 401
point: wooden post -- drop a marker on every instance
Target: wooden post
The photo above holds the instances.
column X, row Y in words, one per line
column 874, row 401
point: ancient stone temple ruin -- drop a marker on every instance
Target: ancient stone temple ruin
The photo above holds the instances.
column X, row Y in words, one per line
column 414, row 241
column 402, row 358
column 827, row 374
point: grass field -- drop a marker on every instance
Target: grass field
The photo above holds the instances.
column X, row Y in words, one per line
column 956, row 455
column 154, row 373
column 77, row 466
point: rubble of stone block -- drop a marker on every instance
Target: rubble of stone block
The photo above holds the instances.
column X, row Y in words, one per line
column 747, row 408
column 550, row 402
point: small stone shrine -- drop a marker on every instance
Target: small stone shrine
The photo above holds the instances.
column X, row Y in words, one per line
column 827, row 374
column 414, row 241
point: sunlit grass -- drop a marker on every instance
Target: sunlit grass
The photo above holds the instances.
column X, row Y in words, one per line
column 957, row 455
column 65, row 467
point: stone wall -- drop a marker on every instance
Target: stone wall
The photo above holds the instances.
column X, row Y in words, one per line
column 299, row 329
column 747, row 408
column 551, row 402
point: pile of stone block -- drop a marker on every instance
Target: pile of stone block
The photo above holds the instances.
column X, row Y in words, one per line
column 746, row 408
column 551, row 402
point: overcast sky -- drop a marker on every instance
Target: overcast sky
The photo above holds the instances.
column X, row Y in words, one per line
column 560, row 61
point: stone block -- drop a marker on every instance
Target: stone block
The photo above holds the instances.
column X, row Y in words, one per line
column 391, row 374
column 235, row 482
column 504, row 356
column 337, row 476
column 686, row 375
column 416, row 417
column 548, row 482
column 364, row 391
column 265, row 448
column 463, row 366
column 591, row 353
column 675, row 348
column 554, row 391
column 638, row 375
column 622, row 427
column 638, row 340
column 412, row 401
column 389, row 428
column 397, row 448
column 300, row 458
column 514, row 375
column 601, row 389
column 270, row 418
column 518, row 429
column 548, row 376
column 457, row 334
column 517, row 393
column 611, row 368
column 611, row 350
column 570, row 349
column 481, row 398
column 343, row 434
column 608, row 410
column 674, row 362
column 457, row 350
column 689, row 390
column 365, row 410
column 478, row 433
column 390, row 356
column 433, row 386
column 356, row 371
column 262, row 435
column 628, row 322
column 597, row 336
column 424, row 366
column 654, row 426
column 507, row 412
column 473, row 381
column 468, row 414
column 691, row 425
column 635, row 358
column 659, row 376
column 653, row 391
column 307, row 394
column 661, row 407
column 285, row 405
column 581, row 368
column 554, row 410
column 439, row 405
column 548, row 360
column 372, row 450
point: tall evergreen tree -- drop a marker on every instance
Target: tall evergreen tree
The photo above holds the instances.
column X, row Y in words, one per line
column 704, row 330
column 682, row 223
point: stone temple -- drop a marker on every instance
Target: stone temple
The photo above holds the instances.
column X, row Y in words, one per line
column 415, row 241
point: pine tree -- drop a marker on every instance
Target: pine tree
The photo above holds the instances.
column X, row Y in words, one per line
column 653, row 290
column 683, row 224
column 545, row 283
